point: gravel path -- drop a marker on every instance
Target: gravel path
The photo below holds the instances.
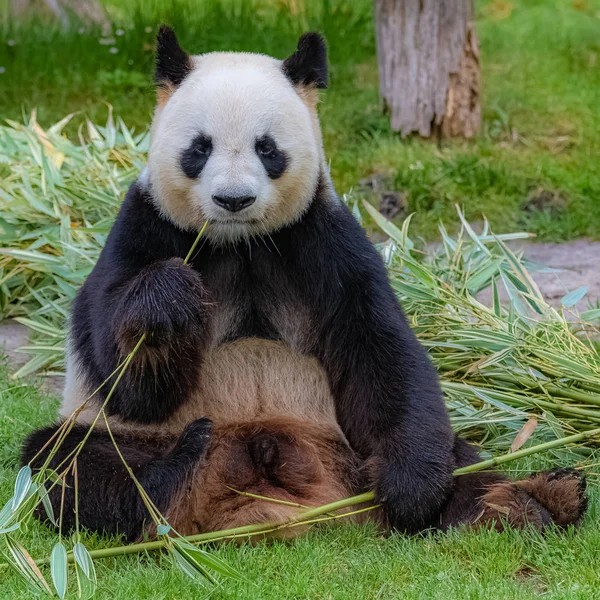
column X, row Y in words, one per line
column 579, row 261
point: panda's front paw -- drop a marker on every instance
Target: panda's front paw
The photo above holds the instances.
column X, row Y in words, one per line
column 166, row 302
column 411, row 495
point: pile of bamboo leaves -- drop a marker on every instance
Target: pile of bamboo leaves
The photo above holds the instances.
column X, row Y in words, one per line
column 506, row 367
column 58, row 199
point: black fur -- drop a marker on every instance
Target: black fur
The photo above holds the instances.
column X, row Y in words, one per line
column 388, row 400
column 273, row 159
column 308, row 65
column 108, row 498
column 196, row 156
column 173, row 64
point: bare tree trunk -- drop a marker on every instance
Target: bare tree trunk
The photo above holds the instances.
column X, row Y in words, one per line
column 429, row 66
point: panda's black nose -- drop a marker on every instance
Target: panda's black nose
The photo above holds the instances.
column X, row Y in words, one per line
column 234, row 203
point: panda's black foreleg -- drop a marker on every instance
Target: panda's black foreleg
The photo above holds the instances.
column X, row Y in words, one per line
column 166, row 303
column 390, row 407
column 108, row 499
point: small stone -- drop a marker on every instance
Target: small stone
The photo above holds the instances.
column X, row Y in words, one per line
column 393, row 203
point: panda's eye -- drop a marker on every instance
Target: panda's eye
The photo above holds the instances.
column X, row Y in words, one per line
column 196, row 155
column 203, row 146
column 265, row 148
column 274, row 160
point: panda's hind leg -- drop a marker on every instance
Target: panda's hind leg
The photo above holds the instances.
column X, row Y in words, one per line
column 108, row 499
column 554, row 497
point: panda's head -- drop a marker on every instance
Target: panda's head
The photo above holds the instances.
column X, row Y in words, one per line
column 235, row 137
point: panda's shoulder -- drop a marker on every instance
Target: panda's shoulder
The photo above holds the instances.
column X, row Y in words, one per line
column 141, row 231
column 339, row 235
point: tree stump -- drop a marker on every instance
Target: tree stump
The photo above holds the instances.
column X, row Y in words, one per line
column 428, row 59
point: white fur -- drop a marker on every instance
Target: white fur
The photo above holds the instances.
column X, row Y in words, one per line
column 235, row 98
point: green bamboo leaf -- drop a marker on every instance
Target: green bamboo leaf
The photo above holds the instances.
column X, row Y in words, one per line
column 470, row 232
column 40, row 325
column 163, row 529
column 29, row 255
column 591, row 315
column 574, row 297
column 6, row 512
column 422, row 275
column 481, row 277
column 37, row 363
column 22, row 486
column 52, row 475
column 515, row 298
column 496, row 299
column 10, row 528
column 356, row 212
column 85, row 572
column 207, row 560
column 58, row 569
column 189, row 567
column 57, row 128
column 22, row 562
column 43, row 494
column 411, row 291
column 506, row 237
column 406, row 241
column 449, row 244
column 524, row 291
column 126, row 134
column 521, row 272
column 387, row 226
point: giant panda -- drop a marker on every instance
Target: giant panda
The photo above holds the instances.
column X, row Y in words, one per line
column 278, row 361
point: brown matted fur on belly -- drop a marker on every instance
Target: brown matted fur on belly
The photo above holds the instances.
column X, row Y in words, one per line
column 284, row 458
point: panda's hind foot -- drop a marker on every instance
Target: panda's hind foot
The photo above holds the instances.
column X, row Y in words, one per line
column 562, row 492
column 554, row 497
column 194, row 440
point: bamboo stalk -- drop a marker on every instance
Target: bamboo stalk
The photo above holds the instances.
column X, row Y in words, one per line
column 189, row 254
column 499, row 460
column 245, row 530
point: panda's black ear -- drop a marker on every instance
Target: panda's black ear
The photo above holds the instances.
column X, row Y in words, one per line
column 173, row 65
column 308, row 65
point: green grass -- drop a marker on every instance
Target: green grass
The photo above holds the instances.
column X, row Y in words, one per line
column 336, row 562
column 541, row 81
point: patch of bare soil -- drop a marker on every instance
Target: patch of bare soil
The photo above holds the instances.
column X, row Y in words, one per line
column 576, row 264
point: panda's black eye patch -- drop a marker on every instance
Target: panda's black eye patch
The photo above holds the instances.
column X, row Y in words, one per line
column 273, row 159
column 196, row 155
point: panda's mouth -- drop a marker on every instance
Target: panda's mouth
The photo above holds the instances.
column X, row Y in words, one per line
column 236, row 221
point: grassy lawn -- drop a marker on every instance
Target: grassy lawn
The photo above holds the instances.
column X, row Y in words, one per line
column 541, row 86
column 338, row 562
